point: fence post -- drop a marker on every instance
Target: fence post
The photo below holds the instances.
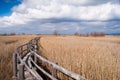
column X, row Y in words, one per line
column 35, row 58
column 37, row 43
column 21, row 48
column 21, row 71
column 27, row 47
column 14, row 66
column 54, row 71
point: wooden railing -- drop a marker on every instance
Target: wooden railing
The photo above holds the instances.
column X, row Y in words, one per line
column 25, row 60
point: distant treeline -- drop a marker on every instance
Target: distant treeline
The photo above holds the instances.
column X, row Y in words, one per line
column 8, row 34
column 11, row 34
column 94, row 34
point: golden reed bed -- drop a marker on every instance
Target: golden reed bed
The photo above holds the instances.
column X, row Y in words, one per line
column 96, row 58
column 7, row 46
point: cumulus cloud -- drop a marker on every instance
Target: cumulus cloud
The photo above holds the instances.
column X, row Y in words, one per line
column 68, row 9
column 77, row 10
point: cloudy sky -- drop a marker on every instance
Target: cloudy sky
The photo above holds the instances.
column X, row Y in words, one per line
column 65, row 16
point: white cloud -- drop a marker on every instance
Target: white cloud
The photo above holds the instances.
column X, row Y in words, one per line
column 31, row 10
column 67, row 9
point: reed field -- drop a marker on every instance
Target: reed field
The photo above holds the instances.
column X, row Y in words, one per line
column 7, row 46
column 95, row 58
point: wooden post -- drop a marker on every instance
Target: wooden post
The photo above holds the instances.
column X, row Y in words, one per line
column 14, row 66
column 21, row 48
column 37, row 44
column 35, row 58
column 21, row 72
column 54, row 71
column 27, row 47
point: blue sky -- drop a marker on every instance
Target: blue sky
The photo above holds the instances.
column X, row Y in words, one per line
column 6, row 6
column 65, row 16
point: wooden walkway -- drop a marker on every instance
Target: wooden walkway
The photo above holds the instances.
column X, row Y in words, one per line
column 26, row 67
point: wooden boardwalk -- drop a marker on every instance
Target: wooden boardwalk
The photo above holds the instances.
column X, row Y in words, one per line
column 26, row 67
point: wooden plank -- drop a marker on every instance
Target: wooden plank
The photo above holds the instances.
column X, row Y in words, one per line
column 35, row 74
column 18, row 56
column 21, row 72
column 63, row 70
column 14, row 66
column 54, row 71
column 29, row 45
column 51, row 77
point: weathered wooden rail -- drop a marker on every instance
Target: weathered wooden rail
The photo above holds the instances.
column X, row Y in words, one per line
column 25, row 66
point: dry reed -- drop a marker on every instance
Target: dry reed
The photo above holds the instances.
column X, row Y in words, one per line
column 7, row 46
column 94, row 58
